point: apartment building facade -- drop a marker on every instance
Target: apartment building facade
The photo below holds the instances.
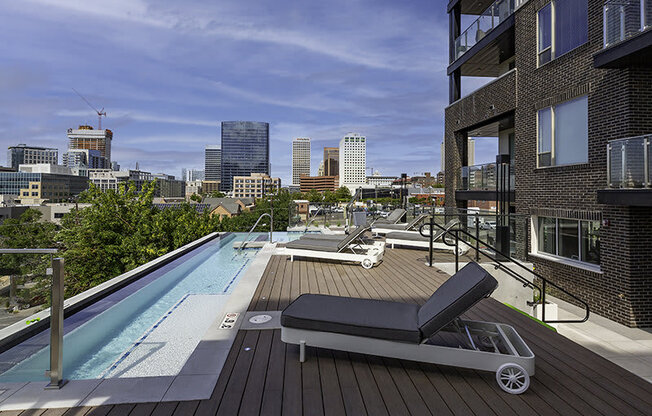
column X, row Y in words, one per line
column 318, row 183
column 570, row 107
column 23, row 154
column 256, row 185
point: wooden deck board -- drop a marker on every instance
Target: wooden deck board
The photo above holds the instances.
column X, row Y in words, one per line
column 262, row 375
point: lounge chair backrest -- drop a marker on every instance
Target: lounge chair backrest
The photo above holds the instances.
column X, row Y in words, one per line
column 352, row 236
column 463, row 290
column 415, row 221
column 439, row 232
column 395, row 215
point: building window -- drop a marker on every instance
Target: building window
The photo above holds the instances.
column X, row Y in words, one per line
column 573, row 239
column 563, row 133
column 562, row 25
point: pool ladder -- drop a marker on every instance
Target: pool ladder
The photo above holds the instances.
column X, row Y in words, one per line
column 271, row 219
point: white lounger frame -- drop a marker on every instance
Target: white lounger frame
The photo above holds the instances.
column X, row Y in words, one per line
column 519, row 354
column 382, row 231
column 367, row 255
column 463, row 247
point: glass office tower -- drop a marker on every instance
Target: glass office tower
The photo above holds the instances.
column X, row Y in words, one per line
column 245, row 150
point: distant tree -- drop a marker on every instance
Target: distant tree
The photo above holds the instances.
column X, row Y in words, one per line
column 195, row 197
column 343, row 193
column 314, row 196
column 28, row 231
column 216, row 194
column 330, row 197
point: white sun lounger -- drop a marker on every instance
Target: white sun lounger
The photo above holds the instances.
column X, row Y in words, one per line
column 381, row 229
column 415, row 239
column 345, row 249
column 406, row 331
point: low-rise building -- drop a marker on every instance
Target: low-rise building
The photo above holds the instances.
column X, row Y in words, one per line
column 167, row 186
column 193, row 188
column 208, row 187
column 28, row 155
column 37, row 183
column 106, row 179
column 378, row 180
column 256, row 185
column 319, row 183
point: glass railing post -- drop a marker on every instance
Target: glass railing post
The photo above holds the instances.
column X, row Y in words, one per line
column 622, row 23
column 646, row 159
column 56, row 327
column 605, row 10
column 643, row 22
column 623, row 163
column 609, row 184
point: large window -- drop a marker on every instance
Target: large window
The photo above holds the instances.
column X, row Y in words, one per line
column 563, row 133
column 562, row 25
column 572, row 239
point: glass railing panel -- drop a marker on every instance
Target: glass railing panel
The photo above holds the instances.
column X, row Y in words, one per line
column 625, row 18
column 490, row 18
column 629, row 162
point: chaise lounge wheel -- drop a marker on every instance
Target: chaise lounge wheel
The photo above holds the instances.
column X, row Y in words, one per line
column 367, row 263
column 512, row 378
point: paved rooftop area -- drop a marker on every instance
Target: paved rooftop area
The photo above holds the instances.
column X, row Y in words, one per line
column 262, row 375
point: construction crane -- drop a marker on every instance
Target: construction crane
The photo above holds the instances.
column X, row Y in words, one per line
column 100, row 113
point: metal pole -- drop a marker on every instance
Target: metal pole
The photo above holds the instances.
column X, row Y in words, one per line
column 56, row 327
column 457, row 256
column 477, row 237
column 271, row 219
column 543, row 302
column 432, row 226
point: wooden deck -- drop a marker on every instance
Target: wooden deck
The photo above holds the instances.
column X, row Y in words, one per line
column 262, row 375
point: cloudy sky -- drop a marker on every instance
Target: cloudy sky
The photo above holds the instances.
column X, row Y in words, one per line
column 167, row 72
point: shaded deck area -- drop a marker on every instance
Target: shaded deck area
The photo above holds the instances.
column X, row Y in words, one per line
column 262, row 375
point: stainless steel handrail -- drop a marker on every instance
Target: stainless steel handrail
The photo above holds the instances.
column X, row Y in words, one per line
column 56, row 313
column 244, row 242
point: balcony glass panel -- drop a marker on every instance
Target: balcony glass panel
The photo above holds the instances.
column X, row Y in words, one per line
column 480, row 178
column 625, row 18
column 489, row 19
column 629, row 162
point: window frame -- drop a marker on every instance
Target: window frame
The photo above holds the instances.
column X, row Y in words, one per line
column 557, row 236
column 553, row 135
column 551, row 48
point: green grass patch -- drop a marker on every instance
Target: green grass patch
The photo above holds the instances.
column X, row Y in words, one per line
column 530, row 316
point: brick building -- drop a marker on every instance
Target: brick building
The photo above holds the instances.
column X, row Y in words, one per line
column 570, row 104
column 319, row 183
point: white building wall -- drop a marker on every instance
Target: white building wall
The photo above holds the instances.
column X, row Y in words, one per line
column 353, row 161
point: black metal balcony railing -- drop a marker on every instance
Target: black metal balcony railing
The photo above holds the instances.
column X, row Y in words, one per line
column 629, row 163
column 489, row 19
column 480, row 178
column 624, row 19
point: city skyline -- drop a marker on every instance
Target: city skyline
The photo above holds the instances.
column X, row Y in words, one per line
column 155, row 69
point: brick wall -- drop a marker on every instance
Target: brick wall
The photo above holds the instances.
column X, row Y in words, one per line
column 620, row 105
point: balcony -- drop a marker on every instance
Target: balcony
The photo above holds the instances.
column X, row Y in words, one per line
column 627, row 38
column 495, row 14
column 628, row 172
column 479, row 182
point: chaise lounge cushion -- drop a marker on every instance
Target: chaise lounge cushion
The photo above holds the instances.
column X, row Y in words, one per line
column 315, row 245
column 458, row 294
column 362, row 317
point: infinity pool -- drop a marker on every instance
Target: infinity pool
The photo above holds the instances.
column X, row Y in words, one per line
column 160, row 322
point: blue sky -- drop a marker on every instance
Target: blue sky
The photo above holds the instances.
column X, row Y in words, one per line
column 168, row 72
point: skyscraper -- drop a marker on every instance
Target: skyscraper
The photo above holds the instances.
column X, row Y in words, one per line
column 245, row 150
column 27, row 155
column 87, row 138
column 353, row 160
column 212, row 163
column 331, row 161
column 300, row 159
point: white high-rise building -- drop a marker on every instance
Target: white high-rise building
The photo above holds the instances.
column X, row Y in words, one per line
column 353, row 161
column 300, row 159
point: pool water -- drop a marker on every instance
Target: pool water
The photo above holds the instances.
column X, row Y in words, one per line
column 99, row 347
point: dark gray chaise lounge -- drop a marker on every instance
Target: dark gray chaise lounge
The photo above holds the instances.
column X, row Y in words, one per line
column 341, row 249
column 352, row 235
column 403, row 330
column 415, row 239
column 381, row 228
column 393, row 217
